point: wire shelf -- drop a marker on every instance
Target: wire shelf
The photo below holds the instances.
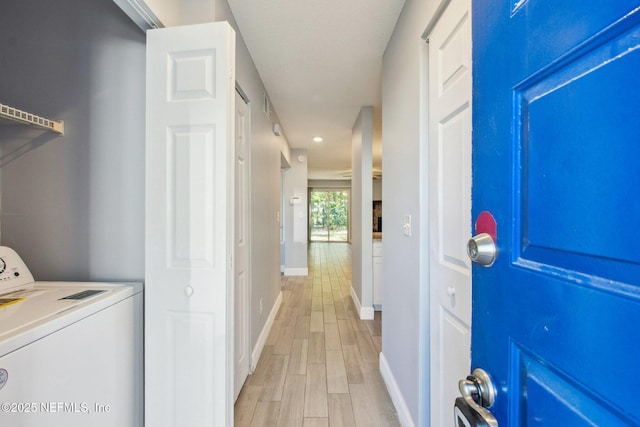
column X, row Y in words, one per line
column 13, row 115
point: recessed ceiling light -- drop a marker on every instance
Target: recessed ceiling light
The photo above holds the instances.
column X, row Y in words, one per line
column 317, row 139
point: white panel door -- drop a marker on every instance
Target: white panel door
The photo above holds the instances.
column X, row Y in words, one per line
column 450, row 205
column 242, row 272
column 189, row 226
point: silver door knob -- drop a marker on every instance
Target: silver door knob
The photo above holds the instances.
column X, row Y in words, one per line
column 479, row 387
column 478, row 393
column 482, row 249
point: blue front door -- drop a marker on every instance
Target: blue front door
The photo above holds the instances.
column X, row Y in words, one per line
column 556, row 161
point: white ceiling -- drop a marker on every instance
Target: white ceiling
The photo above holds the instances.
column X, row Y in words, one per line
column 320, row 61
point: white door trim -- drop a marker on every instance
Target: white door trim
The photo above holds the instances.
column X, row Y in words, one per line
column 449, row 201
column 242, row 241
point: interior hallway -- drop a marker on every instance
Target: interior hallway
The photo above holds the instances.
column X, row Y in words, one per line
column 319, row 366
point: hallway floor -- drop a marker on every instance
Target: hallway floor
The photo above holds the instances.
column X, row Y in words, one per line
column 319, row 366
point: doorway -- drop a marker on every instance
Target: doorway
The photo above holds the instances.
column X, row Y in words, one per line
column 329, row 215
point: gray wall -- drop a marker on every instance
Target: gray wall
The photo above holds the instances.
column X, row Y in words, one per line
column 361, row 182
column 405, row 264
column 296, row 217
column 73, row 205
column 266, row 149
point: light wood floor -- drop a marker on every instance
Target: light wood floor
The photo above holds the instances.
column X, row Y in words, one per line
column 319, row 366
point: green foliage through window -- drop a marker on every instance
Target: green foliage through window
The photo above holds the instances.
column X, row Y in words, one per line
column 329, row 215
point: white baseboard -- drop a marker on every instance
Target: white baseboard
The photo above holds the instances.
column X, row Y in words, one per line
column 395, row 393
column 257, row 350
column 296, row 271
column 356, row 300
column 366, row 313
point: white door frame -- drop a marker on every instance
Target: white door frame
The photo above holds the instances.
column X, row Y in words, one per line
column 242, row 285
column 449, row 279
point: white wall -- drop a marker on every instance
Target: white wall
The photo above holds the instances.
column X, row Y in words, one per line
column 73, row 205
column 361, row 202
column 296, row 216
column 404, row 192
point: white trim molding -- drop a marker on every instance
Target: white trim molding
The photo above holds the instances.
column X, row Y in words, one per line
column 365, row 313
column 262, row 339
column 396, row 395
column 140, row 13
column 296, row 271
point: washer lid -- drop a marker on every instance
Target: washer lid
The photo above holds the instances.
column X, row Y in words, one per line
column 45, row 307
column 26, row 306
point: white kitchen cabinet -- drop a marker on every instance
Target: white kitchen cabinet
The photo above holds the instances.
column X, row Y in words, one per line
column 377, row 275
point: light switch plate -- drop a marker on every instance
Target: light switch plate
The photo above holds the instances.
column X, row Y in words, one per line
column 406, row 225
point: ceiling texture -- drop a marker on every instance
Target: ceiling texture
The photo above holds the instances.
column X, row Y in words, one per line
column 320, row 62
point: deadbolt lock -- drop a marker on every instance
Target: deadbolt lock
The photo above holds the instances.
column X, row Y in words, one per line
column 478, row 394
column 482, row 249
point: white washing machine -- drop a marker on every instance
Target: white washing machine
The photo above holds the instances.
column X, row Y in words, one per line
column 71, row 353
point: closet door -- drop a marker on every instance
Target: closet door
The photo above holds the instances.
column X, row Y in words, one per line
column 189, row 226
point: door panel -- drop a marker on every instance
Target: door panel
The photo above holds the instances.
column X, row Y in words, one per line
column 189, row 229
column 449, row 205
column 568, row 104
column 558, row 401
column 555, row 161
